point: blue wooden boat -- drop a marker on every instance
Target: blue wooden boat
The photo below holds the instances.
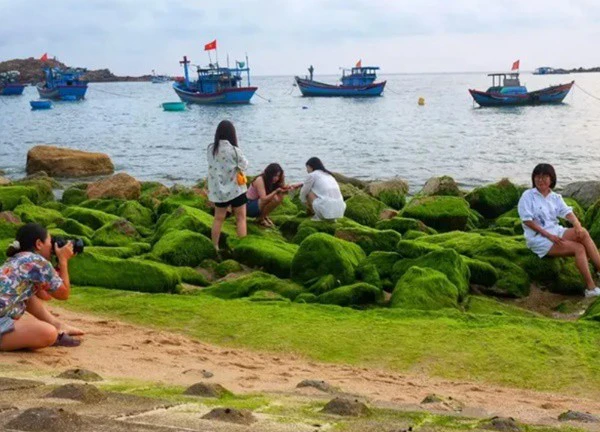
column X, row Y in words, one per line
column 509, row 92
column 40, row 104
column 62, row 84
column 547, row 70
column 9, row 85
column 159, row 79
column 359, row 82
column 215, row 85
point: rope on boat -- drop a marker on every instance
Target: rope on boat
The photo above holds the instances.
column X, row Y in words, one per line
column 268, row 100
column 115, row 94
column 586, row 92
column 392, row 90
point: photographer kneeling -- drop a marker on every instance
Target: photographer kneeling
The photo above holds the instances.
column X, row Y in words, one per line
column 26, row 278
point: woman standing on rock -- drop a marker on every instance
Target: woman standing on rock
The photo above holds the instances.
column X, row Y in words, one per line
column 321, row 192
column 226, row 185
column 26, row 278
column 539, row 210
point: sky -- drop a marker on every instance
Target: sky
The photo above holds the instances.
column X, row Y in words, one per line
column 133, row 37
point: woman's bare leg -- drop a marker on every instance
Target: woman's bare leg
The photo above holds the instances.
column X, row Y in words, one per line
column 571, row 248
column 37, row 308
column 29, row 333
column 309, row 201
column 266, row 207
column 215, row 232
column 588, row 244
column 240, row 220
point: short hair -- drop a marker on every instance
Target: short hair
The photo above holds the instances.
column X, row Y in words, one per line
column 544, row 169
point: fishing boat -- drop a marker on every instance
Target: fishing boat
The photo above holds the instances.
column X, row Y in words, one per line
column 360, row 81
column 215, row 84
column 508, row 91
column 159, row 79
column 547, row 70
column 10, row 85
column 62, row 84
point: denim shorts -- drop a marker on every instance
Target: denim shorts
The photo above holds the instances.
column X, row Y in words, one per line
column 6, row 326
column 252, row 208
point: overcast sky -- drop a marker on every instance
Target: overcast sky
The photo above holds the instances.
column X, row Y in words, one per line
column 132, row 37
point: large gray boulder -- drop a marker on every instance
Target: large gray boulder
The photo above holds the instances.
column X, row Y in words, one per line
column 584, row 192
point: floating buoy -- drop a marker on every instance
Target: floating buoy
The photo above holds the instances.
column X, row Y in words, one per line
column 304, row 107
column 173, row 106
column 39, row 105
column 421, row 101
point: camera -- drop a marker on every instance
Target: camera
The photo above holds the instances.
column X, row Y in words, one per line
column 61, row 241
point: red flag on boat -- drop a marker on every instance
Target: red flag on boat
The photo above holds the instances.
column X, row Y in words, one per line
column 515, row 65
column 211, row 46
column 359, row 63
column 44, row 57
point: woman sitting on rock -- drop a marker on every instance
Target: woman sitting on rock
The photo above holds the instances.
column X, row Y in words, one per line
column 266, row 193
column 321, row 192
column 225, row 162
column 26, row 278
column 539, row 210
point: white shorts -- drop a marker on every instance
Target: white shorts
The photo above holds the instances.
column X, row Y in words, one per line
column 540, row 245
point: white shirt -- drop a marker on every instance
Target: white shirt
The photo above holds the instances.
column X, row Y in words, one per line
column 222, row 172
column 543, row 210
column 329, row 203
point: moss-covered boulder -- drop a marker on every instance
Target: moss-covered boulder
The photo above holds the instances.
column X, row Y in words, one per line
column 510, row 220
column 577, row 210
column 73, row 227
column 136, row 213
column 8, row 229
column 226, row 267
column 424, row 289
column 415, row 249
column 481, row 272
column 446, row 261
column 273, row 256
column 183, row 248
column 10, row 196
column 593, row 311
column 368, row 273
column 267, row 296
column 493, row 200
column 187, row 197
column 412, row 234
column 443, row 213
column 43, row 186
column 131, row 250
column 287, row 207
column 591, row 220
column 188, row 218
column 364, row 209
column 358, row 294
column 348, row 190
column 94, row 219
column 322, row 254
column 370, row 239
column 247, row 285
column 444, row 185
column 124, row 274
column 117, row 233
column 403, row 224
column 306, row 298
column 569, row 281
column 383, row 262
column 488, row 306
column 29, row 212
column 323, row 284
column 75, row 195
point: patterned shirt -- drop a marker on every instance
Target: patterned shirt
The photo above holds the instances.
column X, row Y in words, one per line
column 222, row 172
column 21, row 276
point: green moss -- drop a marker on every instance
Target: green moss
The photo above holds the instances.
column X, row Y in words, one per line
column 136, row 213
column 446, row 261
column 128, row 251
column 267, row 296
column 513, row 281
column 424, row 289
column 75, row 194
column 384, row 263
column 370, row 239
column 493, row 200
column 593, row 311
column 273, row 256
column 392, row 198
column 364, row 209
column 184, row 248
column 569, row 280
column 577, row 209
column 246, row 285
column 75, row 228
column 94, row 219
column 415, row 248
column 54, row 205
column 29, row 212
column 186, row 198
column 323, row 284
column 306, row 298
column 482, row 273
column 123, row 274
column 321, row 254
column 403, row 224
column 7, row 229
column 443, row 213
column 287, row 207
column 43, row 187
column 117, row 233
column 488, row 306
column 358, row 294
column 191, row 276
column 226, row 267
column 187, row 218
column 107, row 205
column 591, row 221
column 412, row 235
column 368, row 273
column 10, row 196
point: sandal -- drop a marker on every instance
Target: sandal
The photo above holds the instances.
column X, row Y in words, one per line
column 65, row 340
column 264, row 223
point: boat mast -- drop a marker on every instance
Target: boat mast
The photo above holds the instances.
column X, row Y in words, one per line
column 248, row 69
column 185, row 63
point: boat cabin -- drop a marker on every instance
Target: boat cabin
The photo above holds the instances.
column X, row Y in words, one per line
column 506, row 83
column 69, row 77
column 359, row 76
column 215, row 78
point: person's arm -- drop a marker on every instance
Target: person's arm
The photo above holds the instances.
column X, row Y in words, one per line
column 525, row 209
column 306, row 188
column 48, row 281
column 259, row 184
column 242, row 162
column 566, row 212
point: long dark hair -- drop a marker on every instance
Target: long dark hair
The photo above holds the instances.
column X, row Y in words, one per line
column 269, row 173
column 27, row 236
column 225, row 131
column 544, row 169
column 316, row 164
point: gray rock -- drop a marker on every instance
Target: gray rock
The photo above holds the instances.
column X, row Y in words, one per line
column 502, row 424
column 231, row 415
column 585, row 193
column 46, row 420
column 80, row 374
column 207, row 390
column 318, row 384
column 361, row 184
column 7, row 384
column 346, row 407
column 4, row 181
column 441, row 186
column 85, row 393
column 442, row 403
column 578, row 416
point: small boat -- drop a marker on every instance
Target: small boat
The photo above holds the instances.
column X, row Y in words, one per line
column 62, row 84
column 159, row 79
column 40, row 104
column 359, row 82
column 215, row 85
column 174, row 106
column 546, row 70
column 9, row 85
column 509, row 92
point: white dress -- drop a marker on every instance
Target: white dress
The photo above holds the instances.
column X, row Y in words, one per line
column 544, row 211
column 329, row 203
column 222, row 172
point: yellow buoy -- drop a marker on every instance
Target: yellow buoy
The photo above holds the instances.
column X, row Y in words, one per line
column 421, row 101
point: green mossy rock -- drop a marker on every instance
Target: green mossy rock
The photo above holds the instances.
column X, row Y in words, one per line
column 192, row 276
column 593, row 312
column 186, row 198
column 43, row 187
column 370, row 239
column 287, row 207
column 577, row 210
column 383, row 262
column 446, row 261
column 415, row 249
column 443, row 185
column 412, row 235
column 348, row 191
column 73, row 227
column 273, row 256
column 424, row 289
column 493, row 200
column 54, row 205
column 368, row 273
column 94, row 219
column 358, row 294
column 8, row 229
column 185, row 218
column 487, row 306
column 513, row 281
column 226, row 267
column 482, row 273
column 306, row 298
column 403, row 224
column 246, row 285
column 10, row 196
column 591, row 221
column 184, row 248
column 267, row 296
column 323, row 284
column 392, row 198
column 131, row 250
column 443, row 213
column 117, row 233
column 322, row 254
column 136, row 213
column 364, row 209
column 106, row 205
column 569, row 280
column 75, row 194
column 29, row 212
column 124, row 274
